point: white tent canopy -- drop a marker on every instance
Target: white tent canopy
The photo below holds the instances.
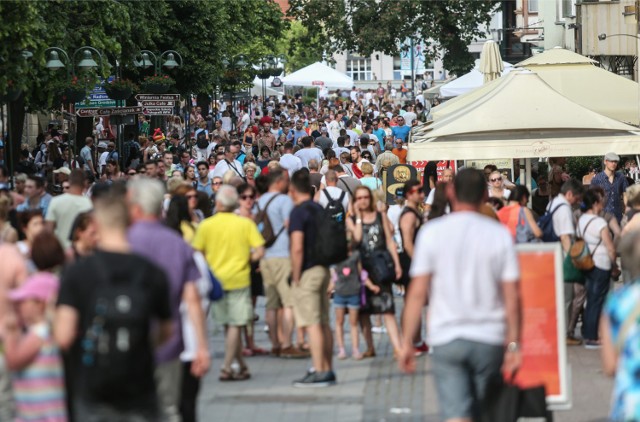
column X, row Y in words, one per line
column 502, row 124
column 468, row 81
column 318, row 74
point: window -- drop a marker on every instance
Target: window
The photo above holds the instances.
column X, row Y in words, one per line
column 397, row 68
column 359, row 69
column 566, row 8
column 533, row 6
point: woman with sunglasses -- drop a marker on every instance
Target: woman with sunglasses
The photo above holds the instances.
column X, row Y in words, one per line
column 371, row 231
column 496, row 186
column 247, row 195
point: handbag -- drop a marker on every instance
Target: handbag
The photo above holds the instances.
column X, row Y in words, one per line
column 581, row 257
column 570, row 273
column 380, row 266
column 507, row 402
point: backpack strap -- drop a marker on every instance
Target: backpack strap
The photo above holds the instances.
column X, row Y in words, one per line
column 330, row 199
column 265, row 212
column 585, row 231
column 346, row 186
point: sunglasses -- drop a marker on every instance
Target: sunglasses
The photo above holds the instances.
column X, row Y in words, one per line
column 245, row 197
column 217, row 183
column 191, row 196
column 495, row 180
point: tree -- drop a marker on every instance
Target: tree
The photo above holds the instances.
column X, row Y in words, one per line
column 300, row 47
column 447, row 27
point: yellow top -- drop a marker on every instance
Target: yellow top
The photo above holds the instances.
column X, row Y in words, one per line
column 226, row 241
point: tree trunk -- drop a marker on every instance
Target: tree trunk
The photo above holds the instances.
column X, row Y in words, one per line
column 16, row 118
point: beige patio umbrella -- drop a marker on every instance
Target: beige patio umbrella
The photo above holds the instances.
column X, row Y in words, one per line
column 490, row 61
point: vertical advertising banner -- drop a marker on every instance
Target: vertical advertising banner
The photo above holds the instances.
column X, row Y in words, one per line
column 544, row 353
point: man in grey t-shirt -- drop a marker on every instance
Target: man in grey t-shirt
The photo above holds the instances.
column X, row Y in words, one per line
column 86, row 153
column 276, row 265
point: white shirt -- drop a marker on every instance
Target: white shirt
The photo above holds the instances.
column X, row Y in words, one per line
column 291, row 163
column 223, row 166
column 353, row 136
column 593, row 237
column 307, row 154
column 409, row 117
column 334, row 192
column 334, row 130
column 466, row 298
column 563, row 218
column 393, row 213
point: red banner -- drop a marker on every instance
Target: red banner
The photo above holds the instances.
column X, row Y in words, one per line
column 441, row 166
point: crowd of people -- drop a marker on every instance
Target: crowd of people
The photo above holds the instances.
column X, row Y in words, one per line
column 290, row 205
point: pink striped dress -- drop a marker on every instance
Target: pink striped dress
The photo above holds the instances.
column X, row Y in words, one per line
column 39, row 388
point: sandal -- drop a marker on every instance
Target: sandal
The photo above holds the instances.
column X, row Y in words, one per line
column 304, row 347
column 258, row 351
column 226, row 375
column 242, row 375
column 369, row 354
column 247, row 352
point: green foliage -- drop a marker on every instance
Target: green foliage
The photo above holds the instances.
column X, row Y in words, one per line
column 300, row 47
column 202, row 32
column 367, row 26
column 579, row 166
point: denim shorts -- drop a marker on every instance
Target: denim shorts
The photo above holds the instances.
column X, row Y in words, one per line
column 351, row 302
column 462, row 371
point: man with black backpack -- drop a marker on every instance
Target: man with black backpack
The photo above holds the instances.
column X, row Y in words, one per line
column 274, row 208
column 317, row 240
column 106, row 324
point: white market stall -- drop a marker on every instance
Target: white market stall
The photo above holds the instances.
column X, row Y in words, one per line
column 318, row 75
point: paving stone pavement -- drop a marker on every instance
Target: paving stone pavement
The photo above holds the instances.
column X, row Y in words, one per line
column 370, row 390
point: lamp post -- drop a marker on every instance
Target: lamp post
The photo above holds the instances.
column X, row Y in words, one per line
column 70, row 64
column 603, row 37
column 169, row 57
column 234, row 64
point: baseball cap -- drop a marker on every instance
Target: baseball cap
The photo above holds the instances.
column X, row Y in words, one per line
column 41, row 286
column 63, row 170
column 102, row 144
column 611, row 156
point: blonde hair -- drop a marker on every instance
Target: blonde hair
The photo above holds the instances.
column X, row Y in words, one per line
column 633, row 195
column 366, row 167
column 5, row 206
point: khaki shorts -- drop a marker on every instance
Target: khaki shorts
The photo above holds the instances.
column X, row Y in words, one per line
column 275, row 276
column 234, row 308
column 311, row 302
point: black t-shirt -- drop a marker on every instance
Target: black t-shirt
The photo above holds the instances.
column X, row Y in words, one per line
column 81, row 287
column 303, row 218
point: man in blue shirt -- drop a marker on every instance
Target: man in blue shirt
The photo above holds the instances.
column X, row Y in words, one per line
column 402, row 130
column 614, row 185
column 380, row 134
column 298, row 133
column 36, row 197
column 204, row 183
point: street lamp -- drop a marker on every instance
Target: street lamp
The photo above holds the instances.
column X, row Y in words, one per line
column 149, row 59
column 87, row 61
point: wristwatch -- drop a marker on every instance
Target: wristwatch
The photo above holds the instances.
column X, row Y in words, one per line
column 513, row 347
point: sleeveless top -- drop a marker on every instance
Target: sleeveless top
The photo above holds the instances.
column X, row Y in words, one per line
column 373, row 237
column 407, row 210
column 39, row 388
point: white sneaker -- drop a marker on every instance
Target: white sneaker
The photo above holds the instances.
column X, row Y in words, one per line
column 378, row 330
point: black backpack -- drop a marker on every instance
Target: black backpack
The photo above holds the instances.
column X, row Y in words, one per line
column 424, row 85
column 201, row 140
column 115, row 336
column 134, row 153
column 331, row 234
column 265, row 226
column 335, row 207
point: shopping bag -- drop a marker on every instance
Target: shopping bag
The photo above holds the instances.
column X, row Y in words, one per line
column 506, row 402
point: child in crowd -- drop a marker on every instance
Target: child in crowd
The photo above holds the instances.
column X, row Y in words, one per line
column 31, row 354
column 347, row 279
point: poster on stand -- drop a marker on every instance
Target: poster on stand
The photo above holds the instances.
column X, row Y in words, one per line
column 544, row 352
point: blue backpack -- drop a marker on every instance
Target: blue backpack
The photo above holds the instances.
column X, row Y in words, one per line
column 546, row 225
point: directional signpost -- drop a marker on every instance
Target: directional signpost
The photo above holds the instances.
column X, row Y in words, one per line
column 97, row 98
column 93, row 112
column 158, row 104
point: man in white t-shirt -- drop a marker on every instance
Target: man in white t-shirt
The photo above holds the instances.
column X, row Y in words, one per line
column 289, row 161
column 563, row 226
column 331, row 180
column 447, row 177
column 229, row 163
column 474, row 315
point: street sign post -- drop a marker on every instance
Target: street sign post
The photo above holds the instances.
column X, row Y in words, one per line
column 93, row 112
column 97, row 98
column 158, row 97
column 147, row 103
column 157, row 111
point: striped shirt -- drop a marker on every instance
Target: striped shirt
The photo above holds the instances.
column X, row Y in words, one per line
column 39, row 388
